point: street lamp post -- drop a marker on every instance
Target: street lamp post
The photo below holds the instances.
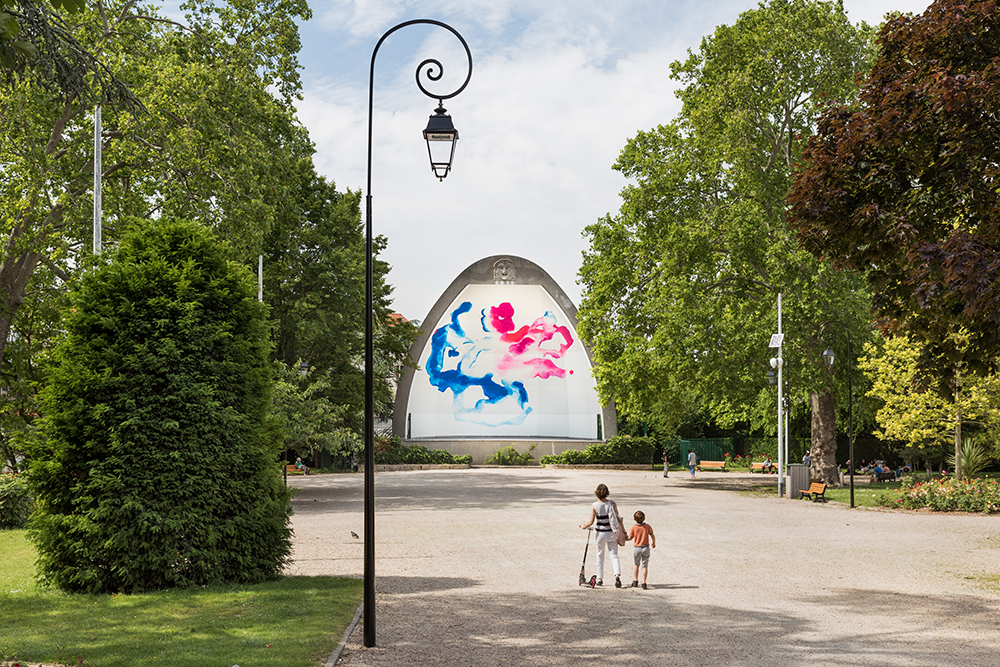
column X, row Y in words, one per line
column 441, row 136
column 828, row 356
column 777, row 363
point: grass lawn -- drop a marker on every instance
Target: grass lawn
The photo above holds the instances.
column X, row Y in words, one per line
column 864, row 494
column 295, row 621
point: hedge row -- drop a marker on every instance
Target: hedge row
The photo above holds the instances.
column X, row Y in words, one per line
column 390, row 451
column 620, row 450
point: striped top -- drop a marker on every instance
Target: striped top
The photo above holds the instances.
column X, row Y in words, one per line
column 603, row 510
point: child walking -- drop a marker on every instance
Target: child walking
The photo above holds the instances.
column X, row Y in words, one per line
column 643, row 538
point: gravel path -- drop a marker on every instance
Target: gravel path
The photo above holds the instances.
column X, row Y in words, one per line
column 479, row 567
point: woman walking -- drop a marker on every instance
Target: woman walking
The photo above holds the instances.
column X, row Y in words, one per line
column 600, row 512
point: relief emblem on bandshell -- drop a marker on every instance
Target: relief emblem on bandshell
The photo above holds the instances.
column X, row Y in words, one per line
column 503, row 271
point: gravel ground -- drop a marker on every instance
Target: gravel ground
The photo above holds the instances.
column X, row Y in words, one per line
column 479, row 567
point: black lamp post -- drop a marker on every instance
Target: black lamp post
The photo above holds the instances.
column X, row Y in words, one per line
column 441, row 136
column 828, row 356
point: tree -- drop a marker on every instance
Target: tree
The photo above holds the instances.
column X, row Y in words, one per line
column 681, row 285
column 157, row 463
column 902, row 184
column 311, row 422
column 314, row 283
column 915, row 411
column 34, row 333
column 210, row 142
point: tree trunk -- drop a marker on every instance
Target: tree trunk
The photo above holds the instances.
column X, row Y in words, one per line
column 823, row 440
column 958, row 427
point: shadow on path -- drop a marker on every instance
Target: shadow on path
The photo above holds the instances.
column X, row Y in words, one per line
column 577, row 626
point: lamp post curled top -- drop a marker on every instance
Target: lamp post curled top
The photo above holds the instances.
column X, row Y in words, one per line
column 441, row 137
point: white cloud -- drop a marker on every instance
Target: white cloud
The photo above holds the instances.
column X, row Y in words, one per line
column 558, row 88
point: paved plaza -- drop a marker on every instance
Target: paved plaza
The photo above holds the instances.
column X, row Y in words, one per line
column 479, row 567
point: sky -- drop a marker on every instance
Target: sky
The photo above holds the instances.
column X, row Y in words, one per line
column 557, row 89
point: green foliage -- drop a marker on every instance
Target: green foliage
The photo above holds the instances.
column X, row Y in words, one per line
column 946, row 495
column 16, row 503
column 208, row 141
column 680, row 286
column 392, row 451
column 620, row 450
column 915, row 411
column 310, row 422
column 157, row 465
column 37, row 46
column 975, row 458
column 314, row 272
column 901, row 183
column 509, row 456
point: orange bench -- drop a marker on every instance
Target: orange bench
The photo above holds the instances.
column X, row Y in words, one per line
column 815, row 492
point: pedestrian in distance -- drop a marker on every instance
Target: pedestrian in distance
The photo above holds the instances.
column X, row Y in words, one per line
column 607, row 541
column 692, row 461
column 643, row 539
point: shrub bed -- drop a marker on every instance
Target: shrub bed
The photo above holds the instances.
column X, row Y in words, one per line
column 623, row 449
column 945, row 494
column 391, row 451
column 509, row 456
column 15, row 501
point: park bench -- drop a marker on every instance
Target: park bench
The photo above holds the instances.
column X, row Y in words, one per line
column 712, row 465
column 291, row 468
column 888, row 476
column 759, row 467
column 815, row 492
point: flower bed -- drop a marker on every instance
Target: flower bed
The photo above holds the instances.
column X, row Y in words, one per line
column 945, row 495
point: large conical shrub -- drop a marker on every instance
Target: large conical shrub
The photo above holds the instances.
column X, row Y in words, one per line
column 157, row 465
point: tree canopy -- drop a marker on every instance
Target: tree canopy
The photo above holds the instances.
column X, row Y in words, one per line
column 681, row 285
column 314, row 282
column 209, row 141
column 915, row 412
column 902, row 183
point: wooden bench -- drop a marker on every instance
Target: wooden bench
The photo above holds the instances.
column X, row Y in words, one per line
column 888, row 476
column 759, row 467
column 712, row 465
column 291, row 468
column 815, row 492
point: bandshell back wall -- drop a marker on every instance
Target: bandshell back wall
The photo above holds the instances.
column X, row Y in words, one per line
column 499, row 357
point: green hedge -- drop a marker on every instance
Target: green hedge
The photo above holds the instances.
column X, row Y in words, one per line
column 15, row 501
column 509, row 456
column 391, row 451
column 620, row 450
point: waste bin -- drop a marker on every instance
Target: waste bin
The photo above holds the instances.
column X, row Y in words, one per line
column 798, row 478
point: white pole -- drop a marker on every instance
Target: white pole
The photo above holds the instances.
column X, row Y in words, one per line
column 97, row 181
column 788, row 455
column 781, row 458
column 260, row 278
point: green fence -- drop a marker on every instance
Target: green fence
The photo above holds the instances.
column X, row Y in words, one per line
column 706, row 449
column 755, row 447
column 715, row 449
